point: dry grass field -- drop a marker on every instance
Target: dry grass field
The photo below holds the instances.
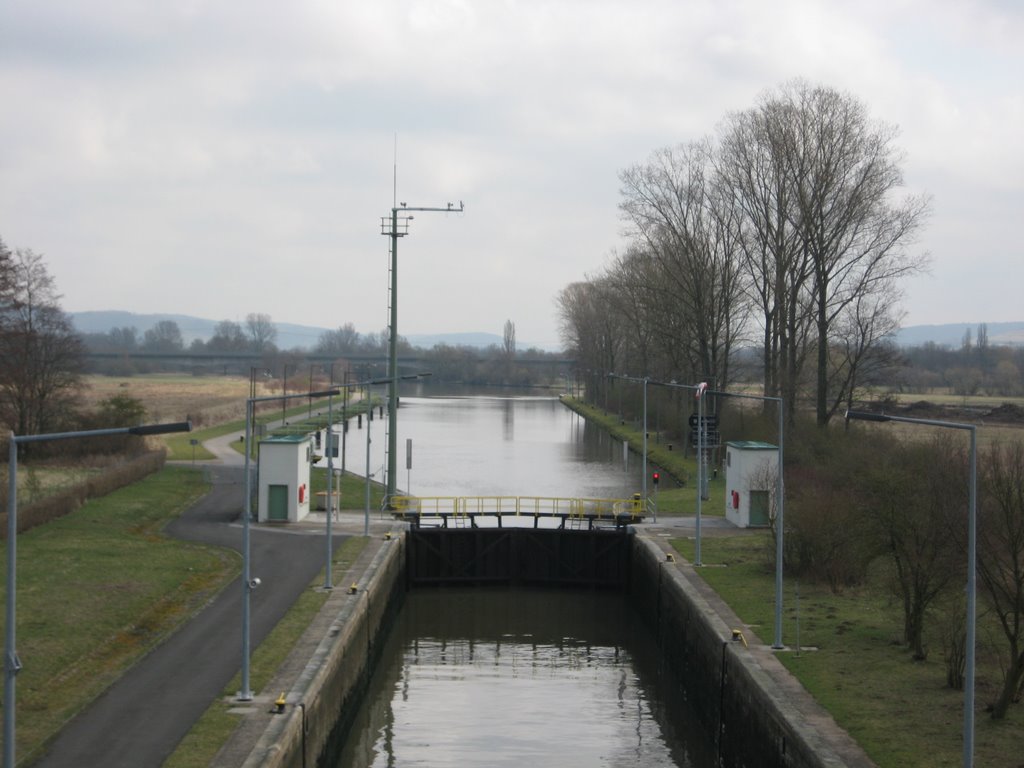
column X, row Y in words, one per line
column 206, row 400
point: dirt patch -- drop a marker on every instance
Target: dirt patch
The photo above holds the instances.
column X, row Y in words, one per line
column 1007, row 413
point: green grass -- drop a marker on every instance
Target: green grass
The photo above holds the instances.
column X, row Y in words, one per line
column 353, row 491
column 215, row 727
column 100, row 587
column 677, row 493
column 180, row 448
column 845, row 650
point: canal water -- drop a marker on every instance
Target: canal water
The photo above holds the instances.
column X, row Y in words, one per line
column 498, row 677
column 495, row 677
column 497, row 446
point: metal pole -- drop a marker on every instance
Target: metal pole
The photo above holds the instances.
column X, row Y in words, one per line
column 392, row 446
column 330, row 487
column 11, row 662
column 366, row 511
column 779, row 533
column 344, row 422
column 700, row 469
column 972, row 562
column 245, row 694
column 644, row 481
column 972, row 589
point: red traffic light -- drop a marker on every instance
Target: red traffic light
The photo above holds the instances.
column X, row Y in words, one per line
column 655, row 477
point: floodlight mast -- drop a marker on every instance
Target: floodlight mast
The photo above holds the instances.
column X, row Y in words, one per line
column 396, row 228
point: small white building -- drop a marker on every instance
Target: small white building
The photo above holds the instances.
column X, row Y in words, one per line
column 751, row 473
column 284, row 468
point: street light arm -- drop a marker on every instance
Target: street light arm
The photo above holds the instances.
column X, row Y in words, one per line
column 866, row 416
column 323, row 393
column 161, row 429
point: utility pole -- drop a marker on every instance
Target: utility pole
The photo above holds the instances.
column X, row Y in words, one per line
column 395, row 227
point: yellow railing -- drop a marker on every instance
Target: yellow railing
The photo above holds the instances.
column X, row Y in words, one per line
column 548, row 506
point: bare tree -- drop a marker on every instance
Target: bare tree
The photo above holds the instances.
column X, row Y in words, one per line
column 228, row 336
column 862, row 352
column 343, row 340
column 164, row 337
column 40, row 353
column 592, row 333
column 1001, row 558
column 752, row 164
column 692, row 231
column 816, row 180
column 845, row 172
column 262, row 333
column 915, row 497
column 508, row 341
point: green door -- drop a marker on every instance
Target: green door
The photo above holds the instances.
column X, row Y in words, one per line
column 759, row 508
column 277, row 502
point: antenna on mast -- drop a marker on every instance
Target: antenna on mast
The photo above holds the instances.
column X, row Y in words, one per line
column 394, row 194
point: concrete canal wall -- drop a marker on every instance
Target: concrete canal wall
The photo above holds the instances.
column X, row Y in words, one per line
column 757, row 713
column 324, row 693
column 760, row 716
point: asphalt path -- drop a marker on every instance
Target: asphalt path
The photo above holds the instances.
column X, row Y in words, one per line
column 141, row 718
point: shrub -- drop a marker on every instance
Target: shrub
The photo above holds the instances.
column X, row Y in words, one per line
column 69, row 499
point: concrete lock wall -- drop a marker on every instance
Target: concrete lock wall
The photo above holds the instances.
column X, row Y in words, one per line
column 326, row 695
column 759, row 714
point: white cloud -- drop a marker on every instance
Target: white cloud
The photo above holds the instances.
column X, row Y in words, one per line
column 226, row 157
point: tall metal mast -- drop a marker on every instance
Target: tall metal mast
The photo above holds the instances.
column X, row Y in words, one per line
column 397, row 226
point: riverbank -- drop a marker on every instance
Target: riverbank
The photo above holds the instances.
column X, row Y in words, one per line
column 676, row 492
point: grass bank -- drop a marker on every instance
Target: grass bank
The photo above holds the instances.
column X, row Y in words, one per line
column 845, row 649
column 100, row 587
column 676, row 493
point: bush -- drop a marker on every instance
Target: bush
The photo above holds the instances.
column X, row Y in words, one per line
column 65, row 501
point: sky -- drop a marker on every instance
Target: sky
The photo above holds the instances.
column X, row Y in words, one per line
column 226, row 157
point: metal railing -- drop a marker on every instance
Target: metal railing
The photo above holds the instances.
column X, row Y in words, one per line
column 518, row 506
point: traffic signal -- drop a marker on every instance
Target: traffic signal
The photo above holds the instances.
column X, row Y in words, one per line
column 655, row 477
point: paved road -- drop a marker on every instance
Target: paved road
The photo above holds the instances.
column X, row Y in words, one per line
column 140, row 720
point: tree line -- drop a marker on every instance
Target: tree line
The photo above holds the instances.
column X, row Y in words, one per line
column 785, row 231
column 976, row 367
column 773, row 251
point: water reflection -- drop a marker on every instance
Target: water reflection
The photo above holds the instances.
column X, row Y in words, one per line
column 498, row 446
column 538, row 678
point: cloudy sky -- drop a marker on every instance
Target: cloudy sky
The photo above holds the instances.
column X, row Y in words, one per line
column 226, row 157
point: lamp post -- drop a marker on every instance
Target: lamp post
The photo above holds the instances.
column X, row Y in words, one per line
column 972, row 586
column 328, row 583
column 248, row 583
column 12, row 664
column 780, row 506
column 643, row 481
column 396, row 227
column 701, row 389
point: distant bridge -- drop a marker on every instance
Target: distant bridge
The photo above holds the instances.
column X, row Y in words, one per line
column 246, row 359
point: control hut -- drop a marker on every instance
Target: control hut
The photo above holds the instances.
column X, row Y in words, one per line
column 284, row 469
column 751, row 472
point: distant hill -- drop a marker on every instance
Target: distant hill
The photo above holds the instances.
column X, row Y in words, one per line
column 292, row 335
column 289, row 335
column 952, row 334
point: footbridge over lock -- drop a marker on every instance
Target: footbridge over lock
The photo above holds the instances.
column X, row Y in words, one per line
column 518, row 540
